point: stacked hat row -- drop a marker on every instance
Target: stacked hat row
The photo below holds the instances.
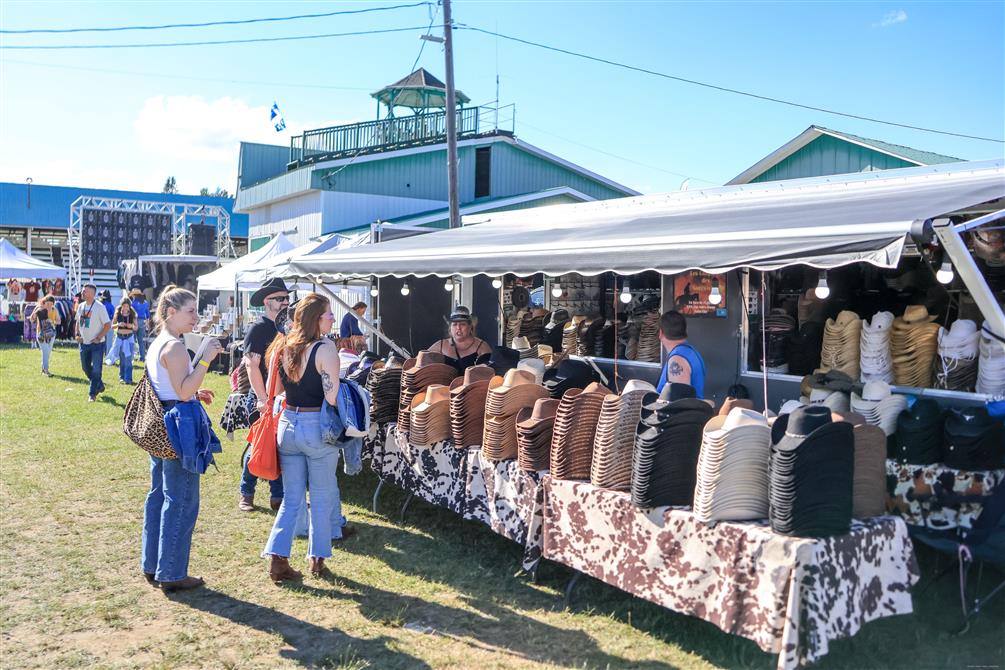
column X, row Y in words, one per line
column 384, row 385
column 778, row 329
column 505, row 397
column 417, row 373
column 643, row 341
column 991, row 368
column 965, row 439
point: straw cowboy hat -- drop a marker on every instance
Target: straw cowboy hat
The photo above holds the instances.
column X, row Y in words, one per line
column 613, row 443
column 732, row 470
column 879, row 405
column 467, row 405
column 842, row 337
column 575, row 429
column 534, row 427
column 876, row 361
column 913, row 345
column 429, row 420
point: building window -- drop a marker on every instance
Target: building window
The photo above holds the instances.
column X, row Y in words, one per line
column 483, row 172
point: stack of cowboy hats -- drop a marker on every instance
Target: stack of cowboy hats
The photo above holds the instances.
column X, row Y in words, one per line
column 532, row 325
column 667, row 443
column 879, row 405
column 841, row 344
column 913, row 343
column 615, row 439
column 513, row 324
column 836, row 401
column 732, row 472
column 584, row 341
column 553, row 329
column 869, row 478
column 919, row 435
column 429, row 416
column 384, row 385
column 503, row 359
column 575, row 430
column 467, row 405
column 991, row 368
column 830, row 380
column 535, row 366
column 418, row 373
column 974, row 440
column 569, row 374
column 876, row 362
column 570, row 334
column 602, row 336
column 506, row 396
column 811, row 474
column 957, row 359
column 647, row 348
column 534, row 427
column 804, row 348
column 778, row 329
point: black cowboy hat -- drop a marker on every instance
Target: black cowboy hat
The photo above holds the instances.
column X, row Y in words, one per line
column 274, row 285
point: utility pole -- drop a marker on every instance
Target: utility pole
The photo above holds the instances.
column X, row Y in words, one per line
column 448, row 48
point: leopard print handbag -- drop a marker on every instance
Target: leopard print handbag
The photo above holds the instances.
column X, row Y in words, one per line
column 143, row 422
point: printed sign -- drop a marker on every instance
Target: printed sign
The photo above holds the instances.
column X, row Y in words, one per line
column 698, row 294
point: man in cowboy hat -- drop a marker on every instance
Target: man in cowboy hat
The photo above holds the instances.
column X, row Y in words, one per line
column 142, row 309
column 273, row 296
column 684, row 364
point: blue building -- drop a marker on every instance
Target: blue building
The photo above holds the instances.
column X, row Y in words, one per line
column 36, row 218
column 393, row 170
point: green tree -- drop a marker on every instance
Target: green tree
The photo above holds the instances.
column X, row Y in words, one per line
column 218, row 193
column 170, row 185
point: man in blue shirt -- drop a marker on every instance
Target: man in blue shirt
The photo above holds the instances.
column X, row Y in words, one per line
column 142, row 308
column 350, row 324
column 684, row 364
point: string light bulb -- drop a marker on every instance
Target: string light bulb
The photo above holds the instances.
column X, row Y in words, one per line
column 822, row 291
column 404, row 289
column 715, row 296
column 497, row 283
column 449, row 284
column 374, row 291
column 556, row 290
column 626, row 296
column 945, row 274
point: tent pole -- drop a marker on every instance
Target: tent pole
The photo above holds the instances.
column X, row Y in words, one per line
column 384, row 338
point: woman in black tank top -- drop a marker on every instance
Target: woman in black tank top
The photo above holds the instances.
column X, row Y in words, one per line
column 308, row 371
column 462, row 349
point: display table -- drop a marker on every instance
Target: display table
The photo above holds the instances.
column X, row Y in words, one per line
column 502, row 496
column 435, row 473
column 912, row 493
column 791, row 596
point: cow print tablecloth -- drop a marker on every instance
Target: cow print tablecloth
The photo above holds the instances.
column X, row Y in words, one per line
column 789, row 595
column 502, row 495
column 912, row 491
column 435, row 473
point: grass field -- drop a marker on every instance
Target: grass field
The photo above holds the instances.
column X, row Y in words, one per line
column 71, row 592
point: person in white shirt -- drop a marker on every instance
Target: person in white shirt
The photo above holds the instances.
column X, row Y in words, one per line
column 92, row 325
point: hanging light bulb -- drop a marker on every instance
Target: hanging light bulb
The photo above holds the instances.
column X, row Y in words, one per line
column 822, row 291
column 449, row 284
column 714, row 296
column 626, row 296
column 404, row 289
column 556, row 290
column 497, row 282
column 374, row 291
column 945, row 274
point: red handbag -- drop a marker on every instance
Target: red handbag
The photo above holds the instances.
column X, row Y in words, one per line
column 264, row 461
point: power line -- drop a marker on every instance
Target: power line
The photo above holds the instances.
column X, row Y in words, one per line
column 144, row 45
column 183, row 77
column 273, row 19
column 622, row 158
column 724, row 89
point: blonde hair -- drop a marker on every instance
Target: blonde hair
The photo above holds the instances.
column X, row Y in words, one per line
column 172, row 296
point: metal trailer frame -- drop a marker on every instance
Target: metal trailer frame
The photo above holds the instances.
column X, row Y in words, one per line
column 179, row 211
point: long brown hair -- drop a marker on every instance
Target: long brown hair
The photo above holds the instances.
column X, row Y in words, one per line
column 303, row 331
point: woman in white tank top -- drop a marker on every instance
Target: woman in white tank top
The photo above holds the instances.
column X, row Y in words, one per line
column 174, row 378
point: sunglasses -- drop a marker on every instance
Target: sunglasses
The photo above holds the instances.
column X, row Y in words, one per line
column 284, row 298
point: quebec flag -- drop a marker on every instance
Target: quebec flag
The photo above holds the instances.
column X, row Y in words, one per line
column 278, row 122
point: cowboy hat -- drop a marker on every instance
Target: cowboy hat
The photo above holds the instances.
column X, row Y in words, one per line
column 274, row 285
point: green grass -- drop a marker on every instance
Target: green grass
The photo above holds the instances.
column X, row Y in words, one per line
column 71, row 594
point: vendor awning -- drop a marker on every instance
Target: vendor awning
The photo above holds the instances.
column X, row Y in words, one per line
column 15, row 263
column 823, row 222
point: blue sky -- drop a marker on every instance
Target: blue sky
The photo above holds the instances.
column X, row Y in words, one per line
column 100, row 117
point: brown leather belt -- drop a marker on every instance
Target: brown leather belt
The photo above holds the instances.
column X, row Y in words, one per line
column 303, row 409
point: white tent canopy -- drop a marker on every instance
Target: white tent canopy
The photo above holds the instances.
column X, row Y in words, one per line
column 225, row 278
column 278, row 266
column 14, row 263
column 824, row 222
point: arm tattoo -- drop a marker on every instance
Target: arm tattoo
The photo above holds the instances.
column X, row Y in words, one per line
column 326, row 383
column 675, row 369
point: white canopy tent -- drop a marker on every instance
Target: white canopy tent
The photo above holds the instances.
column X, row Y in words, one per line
column 226, row 278
column 16, row 264
column 278, row 266
column 824, row 222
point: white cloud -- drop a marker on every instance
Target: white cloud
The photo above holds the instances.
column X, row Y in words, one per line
column 892, row 18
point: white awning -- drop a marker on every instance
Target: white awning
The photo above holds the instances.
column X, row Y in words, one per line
column 823, row 222
column 225, row 278
column 16, row 264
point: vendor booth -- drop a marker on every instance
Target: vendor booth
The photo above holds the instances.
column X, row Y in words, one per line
column 852, row 334
column 26, row 280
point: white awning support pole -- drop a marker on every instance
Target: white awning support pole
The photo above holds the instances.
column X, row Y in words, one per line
column 366, row 322
column 966, row 267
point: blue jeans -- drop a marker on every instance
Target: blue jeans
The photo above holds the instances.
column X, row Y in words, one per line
column 46, row 348
column 90, row 362
column 250, row 481
column 337, row 520
column 125, row 347
column 141, row 338
column 305, row 460
column 169, row 519
column 110, row 340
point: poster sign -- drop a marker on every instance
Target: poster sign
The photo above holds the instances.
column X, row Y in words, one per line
column 692, row 291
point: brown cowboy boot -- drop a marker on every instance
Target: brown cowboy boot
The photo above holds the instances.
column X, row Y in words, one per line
column 247, row 504
column 182, row 584
column 318, row 568
column 280, row 570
